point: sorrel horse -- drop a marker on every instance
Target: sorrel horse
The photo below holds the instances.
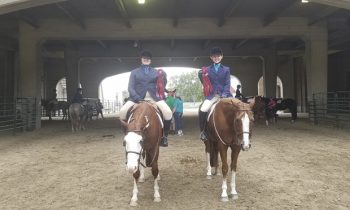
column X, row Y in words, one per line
column 143, row 135
column 229, row 126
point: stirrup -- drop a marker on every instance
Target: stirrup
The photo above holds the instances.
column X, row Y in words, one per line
column 203, row 136
column 164, row 142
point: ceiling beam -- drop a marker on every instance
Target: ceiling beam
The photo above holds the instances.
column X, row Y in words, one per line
column 228, row 12
column 322, row 15
column 123, row 12
column 72, row 13
column 102, row 44
column 30, row 20
column 272, row 16
column 177, row 8
column 17, row 5
column 240, row 44
column 345, row 4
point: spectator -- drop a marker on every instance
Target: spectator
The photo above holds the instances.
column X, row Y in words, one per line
column 99, row 108
column 178, row 111
column 170, row 102
column 238, row 92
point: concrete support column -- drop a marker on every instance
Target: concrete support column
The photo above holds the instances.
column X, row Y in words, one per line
column 30, row 72
column 270, row 73
column 72, row 71
column 316, row 59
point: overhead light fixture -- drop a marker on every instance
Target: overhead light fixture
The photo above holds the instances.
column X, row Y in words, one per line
column 141, row 1
column 304, row 1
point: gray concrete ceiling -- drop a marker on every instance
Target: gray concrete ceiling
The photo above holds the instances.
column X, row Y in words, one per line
column 78, row 11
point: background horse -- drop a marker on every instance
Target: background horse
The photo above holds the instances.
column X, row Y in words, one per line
column 78, row 116
column 51, row 106
column 229, row 126
column 143, row 134
column 279, row 104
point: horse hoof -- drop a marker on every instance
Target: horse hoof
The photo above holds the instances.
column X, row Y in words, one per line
column 209, row 177
column 157, row 200
column 133, row 203
column 224, row 199
column 233, row 196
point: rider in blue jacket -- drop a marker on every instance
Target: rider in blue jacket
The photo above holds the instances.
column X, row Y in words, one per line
column 143, row 84
column 220, row 79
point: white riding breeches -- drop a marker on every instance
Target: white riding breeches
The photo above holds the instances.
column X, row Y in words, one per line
column 208, row 103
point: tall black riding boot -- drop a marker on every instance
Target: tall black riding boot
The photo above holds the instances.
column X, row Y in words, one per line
column 164, row 142
column 202, row 123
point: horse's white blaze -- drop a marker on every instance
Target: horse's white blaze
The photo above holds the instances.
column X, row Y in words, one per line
column 132, row 144
column 245, row 127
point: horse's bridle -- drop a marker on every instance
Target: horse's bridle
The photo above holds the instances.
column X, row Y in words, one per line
column 140, row 132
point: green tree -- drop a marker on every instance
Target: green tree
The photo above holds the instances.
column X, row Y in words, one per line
column 188, row 86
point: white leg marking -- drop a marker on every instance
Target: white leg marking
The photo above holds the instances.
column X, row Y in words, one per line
column 224, row 196
column 208, row 167
column 156, row 191
column 234, row 193
column 135, row 191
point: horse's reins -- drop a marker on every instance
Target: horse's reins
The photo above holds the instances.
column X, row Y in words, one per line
column 216, row 131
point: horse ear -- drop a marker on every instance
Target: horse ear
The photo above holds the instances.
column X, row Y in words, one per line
column 252, row 103
column 124, row 124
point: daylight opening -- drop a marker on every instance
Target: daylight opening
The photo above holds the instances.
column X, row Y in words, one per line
column 279, row 87
column 184, row 79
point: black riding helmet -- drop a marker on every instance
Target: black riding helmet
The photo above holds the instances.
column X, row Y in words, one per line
column 146, row 54
column 215, row 51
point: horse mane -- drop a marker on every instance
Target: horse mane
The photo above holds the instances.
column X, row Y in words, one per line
column 238, row 104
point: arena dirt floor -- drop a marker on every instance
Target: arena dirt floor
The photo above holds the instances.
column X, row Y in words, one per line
column 290, row 166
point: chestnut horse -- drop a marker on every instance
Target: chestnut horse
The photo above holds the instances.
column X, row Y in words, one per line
column 229, row 126
column 143, row 134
